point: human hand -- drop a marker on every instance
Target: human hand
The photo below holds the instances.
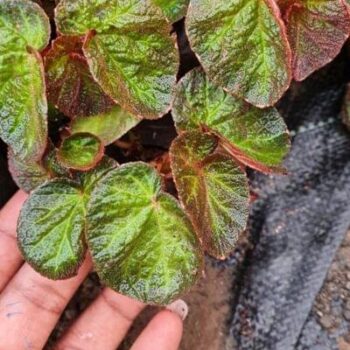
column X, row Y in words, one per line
column 30, row 305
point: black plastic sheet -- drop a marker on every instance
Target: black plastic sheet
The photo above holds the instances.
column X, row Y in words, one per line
column 297, row 223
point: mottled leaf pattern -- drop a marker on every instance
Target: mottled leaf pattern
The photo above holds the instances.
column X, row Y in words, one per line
column 317, row 31
column 129, row 50
column 173, row 9
column 51, row 228
column 243, row 47
column 142, row 243
column 27, row 174
column 81, row 151
column 70, row 85
column 258, row 138
column 213, row 189
column 108, row 127
column 23, row 21
column 52, row 223
column 24, row 29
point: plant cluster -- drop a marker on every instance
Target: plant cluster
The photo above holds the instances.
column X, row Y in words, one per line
column 114, row 63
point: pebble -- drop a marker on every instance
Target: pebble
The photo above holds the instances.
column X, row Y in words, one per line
column 346, row 315
column 326, row 321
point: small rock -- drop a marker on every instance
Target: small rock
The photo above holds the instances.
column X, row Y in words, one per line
column 347, row 337
column 326, row 321
column 346, row 315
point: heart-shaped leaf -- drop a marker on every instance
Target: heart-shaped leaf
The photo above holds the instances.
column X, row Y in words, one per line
column 173, row 9
column 213, row 189
column 51, row 228
column 108, row 127
column 258, row 138
column 24, row 29
column 81, row 151
column 129, row 50
column 243, row 47
column 142, row 243
column 52, row 223
column 317, row 31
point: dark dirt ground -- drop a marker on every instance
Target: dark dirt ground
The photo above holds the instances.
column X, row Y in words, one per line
column 332, row 306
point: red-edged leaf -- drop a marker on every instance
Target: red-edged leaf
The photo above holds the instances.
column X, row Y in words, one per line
column 242, row 46
column 70, row 85
column 213, row 190
column 317, row 31
column 81, row 151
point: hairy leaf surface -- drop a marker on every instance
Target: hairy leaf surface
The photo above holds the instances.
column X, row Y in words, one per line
column 81, row 151
column 129, row 50
column 142, row 243
column 70, row 85
column 213, row 189
column 317, row 31
column 29, row 174
column 173, row 9
column 52, row 223
column 258, row 138
column 25, row 22
column 243, row 47
column 50, row 229
column 108, row 127
column 24, row 29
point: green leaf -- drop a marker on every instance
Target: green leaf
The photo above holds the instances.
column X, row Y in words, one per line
column 174, row 10
column 80, row 151
column 142, row 243
column 213, row 190
column 129, row 50
column 317, row 30
column 258, row 138
column 70, row 85
column 52, row 223
column 89, row 179
column 51, row 227
column 25, row 22
column 243, row 47
column 23, row 108
column 29, row 174
column 108, row 127
column 24, row 28
column 52, row 165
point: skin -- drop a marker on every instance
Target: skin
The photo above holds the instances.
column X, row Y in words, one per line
column 30, row 305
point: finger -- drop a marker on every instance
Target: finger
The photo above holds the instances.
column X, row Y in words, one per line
column 104, row 324
column 10, row 256
column 163, row 332
column 31, row 305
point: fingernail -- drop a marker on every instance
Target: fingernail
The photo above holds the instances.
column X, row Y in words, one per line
column 179, row 307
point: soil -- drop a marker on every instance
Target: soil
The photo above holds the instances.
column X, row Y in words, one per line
column 332, row 306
